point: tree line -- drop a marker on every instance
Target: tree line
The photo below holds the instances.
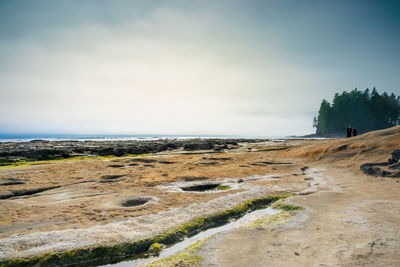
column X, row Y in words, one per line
column 364, row 110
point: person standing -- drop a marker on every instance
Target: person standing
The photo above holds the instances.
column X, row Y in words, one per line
column 354, row 132
column 348, row 131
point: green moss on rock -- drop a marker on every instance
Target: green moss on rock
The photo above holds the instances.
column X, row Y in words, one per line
column 283, row 217
column 223, row 187
column 26, row 162
column 155, row 249
column 187, row 257
column 179, row 259
column 284, row 206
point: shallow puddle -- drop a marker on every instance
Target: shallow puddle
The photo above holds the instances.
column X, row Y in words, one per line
column 136, row 201
column 200, row 188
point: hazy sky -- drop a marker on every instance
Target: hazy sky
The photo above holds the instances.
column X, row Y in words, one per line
column 188, row 67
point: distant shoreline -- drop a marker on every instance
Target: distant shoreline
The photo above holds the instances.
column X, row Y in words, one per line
column 314, row 135
column 100, row 138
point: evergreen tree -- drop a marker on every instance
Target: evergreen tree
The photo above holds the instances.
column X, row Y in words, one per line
column 364, row 111
column 315, row 122
column 324, row 117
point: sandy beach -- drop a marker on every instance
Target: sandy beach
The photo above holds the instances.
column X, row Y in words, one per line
column 347, row 218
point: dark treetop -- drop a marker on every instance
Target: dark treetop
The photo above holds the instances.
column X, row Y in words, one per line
column 366, row 111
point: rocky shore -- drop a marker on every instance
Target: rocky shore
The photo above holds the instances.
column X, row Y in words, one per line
column 104, row 209
column 45, row 150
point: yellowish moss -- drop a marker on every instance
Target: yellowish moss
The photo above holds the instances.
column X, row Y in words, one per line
column 137, row 155
column 155, row 249
column 223, row 187
column 284, row 206
column 284, row 217
column 27, row 163
column 187, row 257
column 15, row 165
column 179, row 259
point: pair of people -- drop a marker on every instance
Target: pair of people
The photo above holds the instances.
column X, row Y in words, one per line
column 351, row 131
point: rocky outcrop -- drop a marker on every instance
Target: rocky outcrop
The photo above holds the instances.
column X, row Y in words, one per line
column 44, row 150
column 391, row 168
column 395, row 156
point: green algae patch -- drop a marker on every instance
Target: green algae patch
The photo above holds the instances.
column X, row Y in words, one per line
column 114, row 253
column 14, row 163
column 286, row 215
column 20, row 163
column 11, row 161
column 137, row 155
column 284, row 206
column 282, row 218
column 179, row 259
column 29, row 163
column 223, row 187
column 187, row 257
column 155, row 249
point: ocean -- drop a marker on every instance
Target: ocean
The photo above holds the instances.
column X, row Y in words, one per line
column 76, row 137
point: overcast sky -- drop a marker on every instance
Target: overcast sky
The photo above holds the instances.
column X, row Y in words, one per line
column 255, row 68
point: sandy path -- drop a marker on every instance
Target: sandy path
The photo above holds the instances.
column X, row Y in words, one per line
column 352, row 220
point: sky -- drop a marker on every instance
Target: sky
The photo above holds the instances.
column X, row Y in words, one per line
column 193, row 67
